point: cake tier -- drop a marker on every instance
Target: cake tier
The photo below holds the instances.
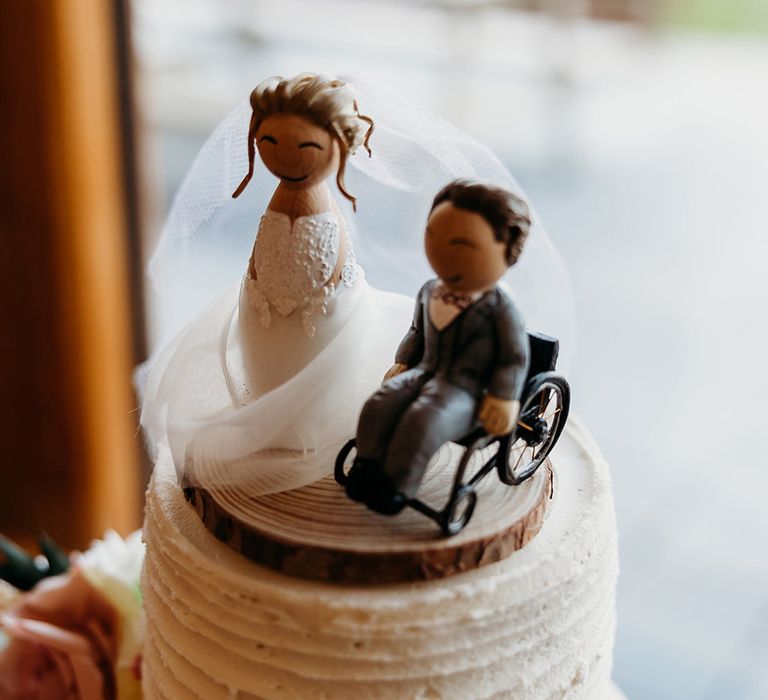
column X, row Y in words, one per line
column 538, row 624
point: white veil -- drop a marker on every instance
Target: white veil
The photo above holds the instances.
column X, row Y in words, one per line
column 207, row 240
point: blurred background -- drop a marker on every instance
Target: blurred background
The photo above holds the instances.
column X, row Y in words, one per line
column 639, row 131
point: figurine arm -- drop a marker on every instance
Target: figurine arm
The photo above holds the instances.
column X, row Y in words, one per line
column 512, row 363
column 411, row 347
column 252, row 262
column 500, row 407
column 343, row 234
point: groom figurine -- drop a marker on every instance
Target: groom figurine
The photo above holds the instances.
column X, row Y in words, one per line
column 462, row 363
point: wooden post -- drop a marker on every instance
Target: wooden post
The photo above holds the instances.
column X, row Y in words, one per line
column 68, row 444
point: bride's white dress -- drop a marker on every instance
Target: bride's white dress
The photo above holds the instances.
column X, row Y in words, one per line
column 263, row 388
column 279, row 309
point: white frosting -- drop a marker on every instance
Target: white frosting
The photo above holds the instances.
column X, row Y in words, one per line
column 538, row 625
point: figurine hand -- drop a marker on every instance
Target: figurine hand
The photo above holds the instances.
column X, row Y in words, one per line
column 393, row 371
column 498, row 416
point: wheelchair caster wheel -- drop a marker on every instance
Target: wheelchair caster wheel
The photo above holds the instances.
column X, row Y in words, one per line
column 459, row 511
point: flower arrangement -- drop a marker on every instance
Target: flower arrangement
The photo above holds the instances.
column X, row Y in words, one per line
column 72, row 626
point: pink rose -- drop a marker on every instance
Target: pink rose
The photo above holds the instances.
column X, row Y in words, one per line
column 63, row 643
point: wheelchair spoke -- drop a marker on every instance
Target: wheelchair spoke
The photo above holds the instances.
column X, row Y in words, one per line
column 554, row 413
column 519, row 458
column 527, row 461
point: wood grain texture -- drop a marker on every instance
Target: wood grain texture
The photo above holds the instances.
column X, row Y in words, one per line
column 316, row 532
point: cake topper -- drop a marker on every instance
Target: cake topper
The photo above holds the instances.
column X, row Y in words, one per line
column 461, row 368
column 268, row 363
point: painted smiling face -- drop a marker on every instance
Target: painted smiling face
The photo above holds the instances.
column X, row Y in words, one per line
column 296, row 150
column 462, row 249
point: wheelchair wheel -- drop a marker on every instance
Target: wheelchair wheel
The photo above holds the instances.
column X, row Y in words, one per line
column 543, row 412
column 459, row 510
column 339, row 472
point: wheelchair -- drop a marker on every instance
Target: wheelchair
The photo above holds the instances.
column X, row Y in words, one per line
column 544, row 406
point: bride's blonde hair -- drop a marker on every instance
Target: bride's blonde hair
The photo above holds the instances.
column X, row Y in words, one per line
column 326, row 101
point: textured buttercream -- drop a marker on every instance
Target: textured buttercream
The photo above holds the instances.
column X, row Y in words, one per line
column 538, row 625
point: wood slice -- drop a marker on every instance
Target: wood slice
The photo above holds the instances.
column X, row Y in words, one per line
column 316, row 532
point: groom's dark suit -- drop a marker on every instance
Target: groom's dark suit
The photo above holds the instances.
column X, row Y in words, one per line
column 484, row 349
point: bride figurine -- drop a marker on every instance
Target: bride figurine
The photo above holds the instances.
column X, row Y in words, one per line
column 260, row 389
column 302, row 278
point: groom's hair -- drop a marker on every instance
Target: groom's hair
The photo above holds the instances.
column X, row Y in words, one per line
column 506, row 213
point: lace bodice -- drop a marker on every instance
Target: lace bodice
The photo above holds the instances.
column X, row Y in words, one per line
column 294, row 262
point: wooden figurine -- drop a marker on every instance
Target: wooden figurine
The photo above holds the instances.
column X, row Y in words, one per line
column 304, row 130
column 465, row 357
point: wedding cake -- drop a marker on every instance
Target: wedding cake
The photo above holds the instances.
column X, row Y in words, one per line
column 248, row 405
column 539, row 624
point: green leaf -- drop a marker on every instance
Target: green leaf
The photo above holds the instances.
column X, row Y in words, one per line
column 19, row 568
column 58, row 561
